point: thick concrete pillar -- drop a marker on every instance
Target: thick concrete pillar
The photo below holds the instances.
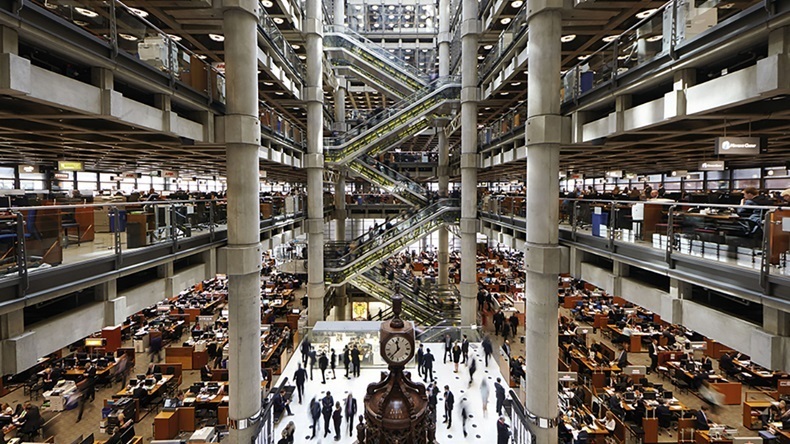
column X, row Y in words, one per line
column 470, row 94
column 166, row 272
column 340, row 105
column 340, row 13
column 775, row 321
column 242, row 139
column 542, row 258
column 443, row 40
column 9, row 40
column 12, row 324
column 342, row 304
column 619, row 272
column 314, row 161
column 678, row 290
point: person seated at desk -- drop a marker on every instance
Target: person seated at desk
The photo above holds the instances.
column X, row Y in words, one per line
column 622, row 359
column 622, row 382
column 29, row 422
column 616, row 405
column 205, row 373
column 701, row 421
column 726, row 365
column 707, row 364
column 611, row 423
column 771, row 414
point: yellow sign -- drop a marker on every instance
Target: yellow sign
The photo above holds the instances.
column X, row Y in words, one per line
column 360, row 310
column 70, row 165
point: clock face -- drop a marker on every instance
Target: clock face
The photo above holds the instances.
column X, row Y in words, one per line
column 398, row 349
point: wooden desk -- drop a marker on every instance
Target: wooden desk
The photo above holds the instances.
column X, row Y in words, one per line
column 703, row 437
column 752, row 421
column 635, row 340
column 166, row 425
column 151, row 392
column 730, row 390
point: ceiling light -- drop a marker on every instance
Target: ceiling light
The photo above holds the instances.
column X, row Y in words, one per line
column 392, row 7
column 423, row 16
column 422, row 25
column 295, row 46
column 303, row 57
column 175, row 38
column 505, row 20
column 359, row 16
column 480, row 57
column 138, row 12
column 424, row 50
column 654, row 38
column 217, row 37
column 646, row 13
column 488, row 108
column 267, row 3
column 87, row 12
column 610, row 38
column 268, row 83
column 279, row 93
column 407, row 50
column 487, row 47
column 504, row 93
column 375, row 7
column 391, row 17
column 515, row 83
column 407, row 25
column 81, row 23
column 202, row 56
column 376, row 25
column 517, row 3
column 582, row 57
column 407, row 57
column 295, row 107
column 128, row 37
column 357, row 7
column 278, row 20
column 568, row 38
column 409, row 8
column 406, row 17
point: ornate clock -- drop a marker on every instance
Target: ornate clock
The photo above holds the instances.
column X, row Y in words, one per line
column 396, row 408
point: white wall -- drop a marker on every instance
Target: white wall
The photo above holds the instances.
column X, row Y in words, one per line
column 651, row 298
column 599, row 277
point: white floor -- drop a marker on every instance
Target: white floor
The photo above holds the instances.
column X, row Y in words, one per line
column 479, row 428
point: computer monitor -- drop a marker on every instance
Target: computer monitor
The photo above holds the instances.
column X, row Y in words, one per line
column 5, row 419
column 170, row 404
column 88, row 440
column 629, row 396
column 667, row 395
column 141, row 377
column 196, row 334
column 150, row 381
column 127, row 436
column 158, row 377
column 637, row 387
column 650, row 396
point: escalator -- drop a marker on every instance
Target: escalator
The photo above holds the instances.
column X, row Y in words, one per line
column 390, row 127
column 388, row 179
column 378, row 246
column 420, row 314
column 345, row 44
column 348, row 69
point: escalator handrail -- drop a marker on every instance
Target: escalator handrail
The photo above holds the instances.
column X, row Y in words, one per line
column 411, row 185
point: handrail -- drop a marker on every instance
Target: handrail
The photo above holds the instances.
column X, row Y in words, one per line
column 279, row 42
column 411, row 185
column 517, row 26
column 379, row 50
column 515, row 118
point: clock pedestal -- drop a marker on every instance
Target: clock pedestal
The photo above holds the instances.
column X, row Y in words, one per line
column 396, row 408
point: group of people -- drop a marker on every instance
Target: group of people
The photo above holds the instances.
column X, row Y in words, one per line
column 351, row 358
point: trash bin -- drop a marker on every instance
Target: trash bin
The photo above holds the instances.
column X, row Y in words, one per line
column 122, row 221
column 599, row 219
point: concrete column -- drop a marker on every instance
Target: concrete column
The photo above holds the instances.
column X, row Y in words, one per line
column 620, row 271
column 470, row 94
column 340, row 13
column 775, row 321
column 342, row 305
column 314, row 161
column 12, row 324
column 340, row 105
column 675, row 100
column 242, row 139
column 165, row 272
column 621, row 104
column 210, row 261
column 542, row 258
column 443, row 40
column 678, row 290
column 163, row 102
column 9, row 41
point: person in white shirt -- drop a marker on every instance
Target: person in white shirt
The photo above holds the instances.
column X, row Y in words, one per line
column 610, row 423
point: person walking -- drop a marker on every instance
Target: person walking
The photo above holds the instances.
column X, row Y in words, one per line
column 333, row 363
column 456, row 356
column 305, row 349
column 337, row 418
column 355, row 361
column 514, row 324
column 488, row 349
column 472, row 364
column 315, row 413
column 465, row 349
column 464, row 415
column 427, row 364
column 448, row 347
column 419, row 356
column 300, row 376
column 346, row 359
column 326, row 409
column 449, row 401
column 323, row 363
column 312, row 355
column 499, row 321
column 653, row 352
column 500, row 395
column 502, row 431
column 484, row 392
column 433, row 400
column 351, row 411
column 156, row 348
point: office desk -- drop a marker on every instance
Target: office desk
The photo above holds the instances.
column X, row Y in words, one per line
column 751, row 414
column 703, row 437
column 166, row 425
column 730, row 390
column 635, row 340
column 158, row 388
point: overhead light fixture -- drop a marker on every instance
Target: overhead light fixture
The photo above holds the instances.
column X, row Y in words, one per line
column 295, row 46
column 654, row 38
column 392, row 7
column 81, row 23
column 128, row 37
column 623, row 57
column 267, row 4
column 504, row 93
column 376, row 25
column 279, row 93
column 202, row 56
column 568, row 38
column 406, row 17
column 391, row 16
column 480, row 57
column 409, row 8
column 87, row 12
column 375, row 7
column 407, row 25
column 610, row 38
column 646, row 13
column 424, row 50
column 278, row 20
column 138, row 12
column 407, row 50
column 359, row 16
column 358, row 7
column 303, row 57
column 487, row 47
column 268, row 83
column 515, row 83
column 217, row 37
column 582, row 57
column 505, row 20
column 173, row 37
column 517, row 3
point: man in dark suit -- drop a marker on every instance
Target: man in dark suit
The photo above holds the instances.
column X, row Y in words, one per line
column 350, row 410
column 448, row 347
column 449, row 401
column 300, row 376
column 465, row 349
column 205, row 373
column 420, row 354
column 427, row 365
column 280, row 404
column 702, row 422
column 622, row 359
column 499, row 390
column 653, row 353
column 502, row 431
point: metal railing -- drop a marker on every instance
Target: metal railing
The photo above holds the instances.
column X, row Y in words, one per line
column 506, row 39
column 513, row 119
column 272, row 32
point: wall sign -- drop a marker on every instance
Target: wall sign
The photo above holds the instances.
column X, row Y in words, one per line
column 712, row 165
column 738, row 145
column 29, row 169
column 70, row 165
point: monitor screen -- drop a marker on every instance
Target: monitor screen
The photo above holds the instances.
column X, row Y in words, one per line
column 650, row 396
column 668, row 394
column 630, row 396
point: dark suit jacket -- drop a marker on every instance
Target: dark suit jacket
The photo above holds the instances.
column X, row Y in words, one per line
column 701, row 422
column 449, row 400
column 622, row 359
column 500, row 391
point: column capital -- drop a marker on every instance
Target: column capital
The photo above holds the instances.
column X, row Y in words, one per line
column 470, row 27
column 314, row 160
column 241, row 129
column 248, row 6
column 543, row 259
column 538, row 6
column 545, row 128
